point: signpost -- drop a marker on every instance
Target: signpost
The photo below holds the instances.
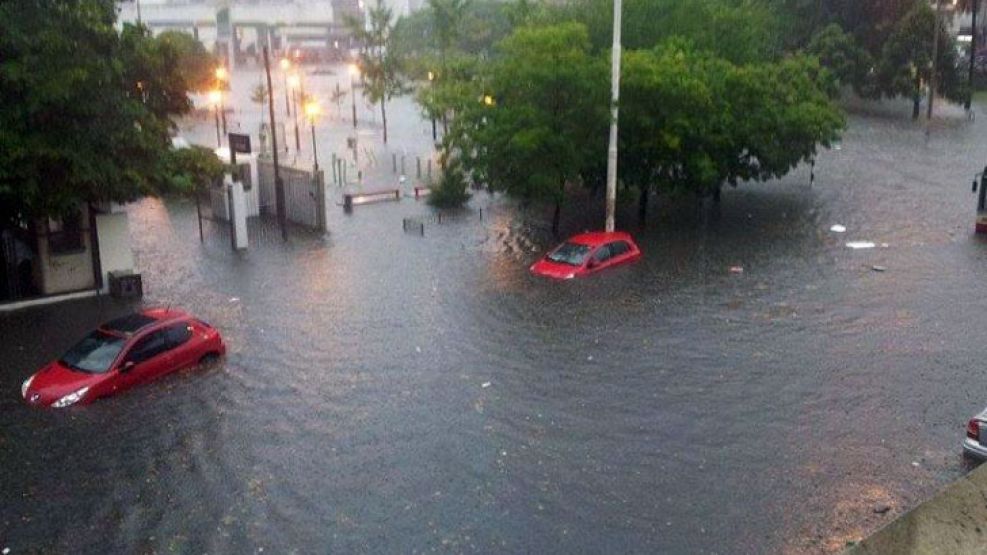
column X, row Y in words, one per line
column 237, row 142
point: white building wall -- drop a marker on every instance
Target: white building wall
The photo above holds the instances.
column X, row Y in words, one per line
column 115, row 252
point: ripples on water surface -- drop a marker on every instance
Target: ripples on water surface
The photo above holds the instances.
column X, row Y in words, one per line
column 668, row 406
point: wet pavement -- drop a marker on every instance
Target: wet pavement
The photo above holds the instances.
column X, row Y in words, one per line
column 388, row 392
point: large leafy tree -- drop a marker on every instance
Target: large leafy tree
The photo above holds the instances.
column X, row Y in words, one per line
column 86, row 108
column 738, row 30
column 906, row 60
column 380, row 62
column 693, row 121
column 539, row 121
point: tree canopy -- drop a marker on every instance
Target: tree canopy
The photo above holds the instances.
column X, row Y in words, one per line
column 87, row 108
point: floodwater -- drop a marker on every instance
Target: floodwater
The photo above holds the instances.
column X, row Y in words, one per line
column 388, row 392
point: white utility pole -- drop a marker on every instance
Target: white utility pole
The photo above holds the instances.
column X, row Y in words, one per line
column 614, row 97
column 935, row 58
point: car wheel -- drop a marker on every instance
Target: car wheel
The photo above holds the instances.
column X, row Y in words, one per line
column 208, row 359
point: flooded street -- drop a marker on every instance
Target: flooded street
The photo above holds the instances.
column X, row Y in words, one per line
column 388, row 392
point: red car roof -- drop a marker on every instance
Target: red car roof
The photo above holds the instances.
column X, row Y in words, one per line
column 596, row 238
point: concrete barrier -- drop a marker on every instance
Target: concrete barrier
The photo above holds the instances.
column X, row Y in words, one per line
column 954, row 522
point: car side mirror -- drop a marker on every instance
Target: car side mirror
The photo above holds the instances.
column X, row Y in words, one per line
column 592, row 264
column 127, row 366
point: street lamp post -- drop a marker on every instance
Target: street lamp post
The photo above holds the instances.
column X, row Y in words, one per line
column 215, row 98
column 312, row 110
column 431, row 81
column 285, row 66
column 294, row 81
column 354, row 71
column 614, row 97
column 221, row 79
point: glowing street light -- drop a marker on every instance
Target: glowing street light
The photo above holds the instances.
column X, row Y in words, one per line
column 488, row 100
column 354, row 72
column 216, row 100
column 312, row 111
column 431, row 83
column 221, row 73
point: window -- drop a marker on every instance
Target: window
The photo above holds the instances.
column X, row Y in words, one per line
column 177, row 335
column 602, row 254
column 94, row 354
column 65, row 234
column 570, row 253
column 619, row 248
column 149, row 347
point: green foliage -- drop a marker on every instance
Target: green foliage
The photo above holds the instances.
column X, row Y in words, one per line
column 545, row 122
column 450, row 190
column 191, row 170
column 195, row 64
column 380, row 62
column 692, row 121
column 906, row 58
column 839, row 52
column 85, row 108
column 741, row 31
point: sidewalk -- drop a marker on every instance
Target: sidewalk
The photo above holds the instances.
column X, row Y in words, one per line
column 954, row 521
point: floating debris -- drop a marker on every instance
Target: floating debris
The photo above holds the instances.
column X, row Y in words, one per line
column 860, row 245
column 879, row 268
column 736, row 269
column 837, row 228
column 485, row 385
column 234, row 299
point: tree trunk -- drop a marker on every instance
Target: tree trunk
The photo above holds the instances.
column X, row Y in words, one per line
column 642, row 205
column 556, row 217
column 383, row 117
column 917, row 98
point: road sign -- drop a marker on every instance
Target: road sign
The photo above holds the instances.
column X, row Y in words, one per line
column 240, row 143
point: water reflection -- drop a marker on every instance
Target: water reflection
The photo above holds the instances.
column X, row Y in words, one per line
column 386, row 391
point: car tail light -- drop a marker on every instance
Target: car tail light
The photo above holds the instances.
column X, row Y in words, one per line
column 973, row 429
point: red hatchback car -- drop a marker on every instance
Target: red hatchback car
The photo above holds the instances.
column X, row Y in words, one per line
column 587, row 253
column 122, row 353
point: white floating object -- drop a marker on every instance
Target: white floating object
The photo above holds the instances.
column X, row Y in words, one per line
column 736, row 269
column 485, row 385
column 860, row 245
column 234, row 299
column 837, row 228
column 418, row 349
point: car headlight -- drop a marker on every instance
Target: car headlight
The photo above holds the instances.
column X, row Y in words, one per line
column 70, row 399
column 25, row 385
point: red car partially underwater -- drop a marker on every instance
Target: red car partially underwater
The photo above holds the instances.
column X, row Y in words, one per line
column 587, row 253
column 122, row 353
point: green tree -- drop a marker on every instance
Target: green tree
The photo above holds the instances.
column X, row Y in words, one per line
column 539, row 120
column 380, row 62
column 692, row 121
column 196, row 65
column 848, row 61
column 87, row 109
column 190, row 170
column 741, row 31
column 906, row 60
column 450, row 189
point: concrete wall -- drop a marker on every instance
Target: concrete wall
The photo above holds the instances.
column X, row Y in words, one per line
column 61, row 273
column 305, row 197
column 114, row 245
column 954, row 522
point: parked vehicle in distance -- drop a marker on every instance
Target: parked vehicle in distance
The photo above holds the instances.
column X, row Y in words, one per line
column 121, row 354
column 587, row 253
column 975, row 443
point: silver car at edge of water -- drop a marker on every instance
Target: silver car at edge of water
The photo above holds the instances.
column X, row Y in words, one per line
column 975, row 442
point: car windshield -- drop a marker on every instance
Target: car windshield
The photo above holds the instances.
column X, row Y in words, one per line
column 94, row 354
column 570, row 253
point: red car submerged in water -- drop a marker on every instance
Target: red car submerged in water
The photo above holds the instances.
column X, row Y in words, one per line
column 587, row 253
column 122, row 353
